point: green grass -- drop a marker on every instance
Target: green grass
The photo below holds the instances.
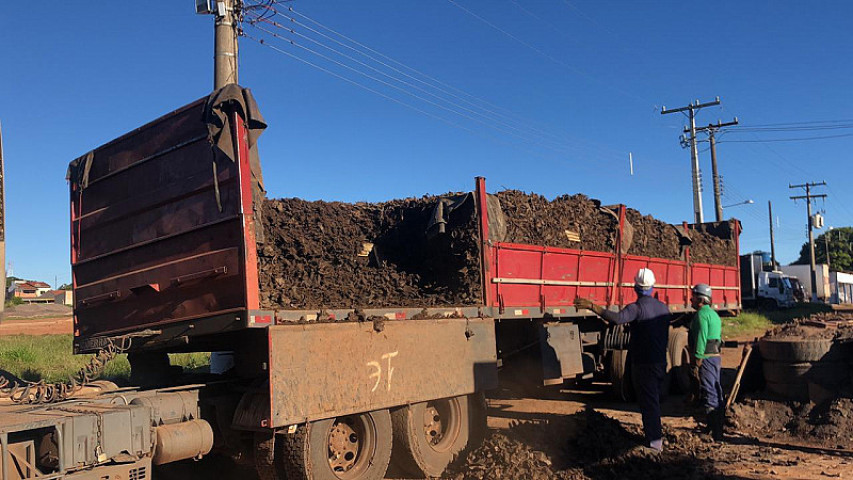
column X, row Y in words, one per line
column 751, row 323
column 50, row 358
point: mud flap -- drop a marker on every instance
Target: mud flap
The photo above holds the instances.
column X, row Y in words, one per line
column 561, row 352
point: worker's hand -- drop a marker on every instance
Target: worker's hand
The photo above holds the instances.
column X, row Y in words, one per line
column 583, row 303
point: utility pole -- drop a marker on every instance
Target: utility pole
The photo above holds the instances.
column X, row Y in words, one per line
column 772, row 243
column 2, row 223
column 808, row 198
column 712, row 130
column 826, row 246
column 694, row 153
column 225, row 41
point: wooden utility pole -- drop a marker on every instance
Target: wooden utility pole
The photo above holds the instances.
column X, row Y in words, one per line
column 225, row 44
column 772, row 243
column 712, row 130
column 694, row 153
column 808, row 198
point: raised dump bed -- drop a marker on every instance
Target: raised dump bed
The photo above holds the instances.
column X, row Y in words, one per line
column 173, row 240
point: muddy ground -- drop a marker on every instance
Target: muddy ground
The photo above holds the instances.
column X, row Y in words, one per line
column 581, row 433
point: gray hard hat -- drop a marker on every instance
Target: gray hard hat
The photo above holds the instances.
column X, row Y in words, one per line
column 703, row 290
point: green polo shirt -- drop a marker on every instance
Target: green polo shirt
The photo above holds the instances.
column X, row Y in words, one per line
column 706, row 326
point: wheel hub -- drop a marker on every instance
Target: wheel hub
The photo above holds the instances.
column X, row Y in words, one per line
column 433, row 428
column 344, row 444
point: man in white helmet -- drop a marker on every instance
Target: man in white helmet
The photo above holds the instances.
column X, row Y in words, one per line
column 649, row 319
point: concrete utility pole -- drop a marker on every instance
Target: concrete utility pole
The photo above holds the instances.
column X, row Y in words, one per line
column 772, row 243
column 808, row 198
column 694, row 154
column 2, row 223
column 712, row 130
column 225, row 44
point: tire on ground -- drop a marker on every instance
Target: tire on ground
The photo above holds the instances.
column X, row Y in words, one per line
column 678, row 376
column 307, row 454
column 428, row 436
column 800, row 350
column 825, row 373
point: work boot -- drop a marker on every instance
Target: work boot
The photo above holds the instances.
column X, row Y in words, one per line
column 715, row 421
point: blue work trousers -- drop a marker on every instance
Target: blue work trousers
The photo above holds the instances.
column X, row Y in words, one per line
column 709, row 383
column 648, row 379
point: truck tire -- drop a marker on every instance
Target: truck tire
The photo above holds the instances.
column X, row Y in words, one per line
column 621, row 382
column 353, row 447
column 798, row 350
column 678, row 357
column 265, row 457
column 428, row 436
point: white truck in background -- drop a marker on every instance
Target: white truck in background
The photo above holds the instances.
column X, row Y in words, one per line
column 803, row 273
column 763, row 287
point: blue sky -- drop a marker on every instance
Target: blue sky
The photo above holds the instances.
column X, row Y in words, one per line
column 562, row 91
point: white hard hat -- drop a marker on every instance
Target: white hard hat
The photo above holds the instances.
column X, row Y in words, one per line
column 645, row 278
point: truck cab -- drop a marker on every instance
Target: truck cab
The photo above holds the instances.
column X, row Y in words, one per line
column 775, row 287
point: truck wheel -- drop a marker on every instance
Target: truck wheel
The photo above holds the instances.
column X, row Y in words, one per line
column 621, row 383
column 264, row 457
column 354, row 447
column 679, row 361
column 429, row 435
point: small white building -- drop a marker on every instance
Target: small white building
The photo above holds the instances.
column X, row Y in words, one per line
column 841, row 286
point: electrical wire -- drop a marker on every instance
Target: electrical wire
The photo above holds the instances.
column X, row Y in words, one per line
column 542, row 53
column 521, row 134
column 438, row 85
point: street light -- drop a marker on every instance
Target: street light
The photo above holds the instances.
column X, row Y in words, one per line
column 745, row 202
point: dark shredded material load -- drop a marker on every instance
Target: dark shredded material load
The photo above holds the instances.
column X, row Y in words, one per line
column 316, row 255
column 310, row 255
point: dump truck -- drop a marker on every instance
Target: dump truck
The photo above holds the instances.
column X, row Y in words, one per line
column 172, row 251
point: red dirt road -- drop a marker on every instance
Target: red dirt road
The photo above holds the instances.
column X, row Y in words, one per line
column 37, row 326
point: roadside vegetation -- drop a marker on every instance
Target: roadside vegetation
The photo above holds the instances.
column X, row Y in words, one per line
column 49, row 358
column 753, row 323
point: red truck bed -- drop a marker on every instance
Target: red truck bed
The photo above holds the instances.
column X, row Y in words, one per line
column 163, row 241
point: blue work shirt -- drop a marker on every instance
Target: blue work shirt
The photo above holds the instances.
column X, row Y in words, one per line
column 649, row 331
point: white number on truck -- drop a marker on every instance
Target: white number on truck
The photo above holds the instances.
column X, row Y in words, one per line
column 377, row 371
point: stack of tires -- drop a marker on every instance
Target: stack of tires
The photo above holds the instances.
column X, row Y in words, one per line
column 804, row 368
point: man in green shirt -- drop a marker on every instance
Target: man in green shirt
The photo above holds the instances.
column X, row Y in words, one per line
column 705, row 342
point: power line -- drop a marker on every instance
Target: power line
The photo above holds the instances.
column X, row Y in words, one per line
column 801, row 139
column 540, row 52
column 402, row 90
column 262, row 42
column 509, row 116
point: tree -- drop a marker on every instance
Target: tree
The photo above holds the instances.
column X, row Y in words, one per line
column 840, row 242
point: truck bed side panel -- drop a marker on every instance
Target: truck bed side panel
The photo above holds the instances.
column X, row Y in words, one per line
column 326, row 370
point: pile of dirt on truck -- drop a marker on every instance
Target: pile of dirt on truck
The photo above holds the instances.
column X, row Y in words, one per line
column 320, row 254
column 533, row 219
column 333, row 254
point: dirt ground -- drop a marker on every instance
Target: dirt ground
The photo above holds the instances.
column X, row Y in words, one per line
column 36, row 310
column 580, row 433
column 37, row 319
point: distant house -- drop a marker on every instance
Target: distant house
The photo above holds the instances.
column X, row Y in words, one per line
column 30, row 291
column 63, row 297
